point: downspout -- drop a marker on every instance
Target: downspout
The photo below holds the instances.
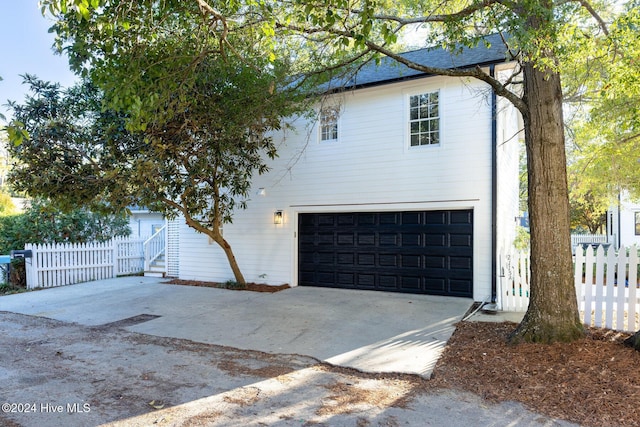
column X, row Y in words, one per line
column 494, row 189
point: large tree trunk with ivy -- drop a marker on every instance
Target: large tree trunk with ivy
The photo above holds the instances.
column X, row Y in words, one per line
column 553, row 312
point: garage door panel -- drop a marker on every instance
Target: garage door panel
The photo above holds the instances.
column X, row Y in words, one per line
column 325, row 238
column 432, row 239
column 460, row 287
column 411, row 283
column 346, row 239
column 307, row 276
column 366, row 239
column 367, row 219
column 346, row 219
column 411, row 239
column 325, row 258
column 412, row 261
column 366, row 260
column 388, row 260
column 432, row 261
column 366, row 281
column 387, row 283
column 346, row 279
column 307, row 220
column 307, row 238
column 325, row 220
column 417, row 252
column 388, row 218
column 409, row 218
column 327, row 278
column 437, row 218
column 346, row 258
column 460, row 263
column 435, row 285
column 385, row 239
column 460, row 240
column 460, row 217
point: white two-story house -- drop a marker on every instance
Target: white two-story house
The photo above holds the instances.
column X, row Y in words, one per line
column 404, row 182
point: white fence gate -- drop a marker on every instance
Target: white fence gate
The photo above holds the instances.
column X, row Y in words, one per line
column 514, row 281
column 65, row 264
column 606, row 284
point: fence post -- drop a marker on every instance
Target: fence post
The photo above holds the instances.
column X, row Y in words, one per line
column 29, row 266
column 620, row 290
column 610, row 283
column 114, row 257
column 632, row 289
column 577, row 277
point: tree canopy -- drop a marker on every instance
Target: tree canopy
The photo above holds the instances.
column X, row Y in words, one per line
column 604, row 96
column 172, row 116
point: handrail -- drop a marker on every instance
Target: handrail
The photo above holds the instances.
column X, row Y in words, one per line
column 154, row 247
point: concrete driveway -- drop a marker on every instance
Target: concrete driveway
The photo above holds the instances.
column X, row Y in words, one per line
column 369, row 331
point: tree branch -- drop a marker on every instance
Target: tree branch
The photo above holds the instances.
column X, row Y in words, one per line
column 463, row 13
column 595, row 16
column 475, row 72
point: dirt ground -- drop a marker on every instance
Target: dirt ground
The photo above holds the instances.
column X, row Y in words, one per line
column 105, row 374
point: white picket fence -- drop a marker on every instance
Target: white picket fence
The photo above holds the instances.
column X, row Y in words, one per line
column 66, row 264
column 606, row 284
column 607, row 287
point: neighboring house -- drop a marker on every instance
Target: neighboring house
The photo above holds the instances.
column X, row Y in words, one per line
column 623, row 222
column 406, row 182
column 143, row 222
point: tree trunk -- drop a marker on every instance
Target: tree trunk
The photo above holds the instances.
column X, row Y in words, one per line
column 235, row 268
column 553, row 310
column 215, row 235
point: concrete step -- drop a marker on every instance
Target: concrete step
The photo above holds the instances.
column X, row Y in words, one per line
column 154, row 274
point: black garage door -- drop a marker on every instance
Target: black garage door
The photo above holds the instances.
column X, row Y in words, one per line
column 426, row 252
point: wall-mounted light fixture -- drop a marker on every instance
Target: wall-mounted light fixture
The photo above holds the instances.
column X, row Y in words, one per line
column 278, row 217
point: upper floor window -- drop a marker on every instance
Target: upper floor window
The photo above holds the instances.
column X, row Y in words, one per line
column 424, row 119
column 637, row 223
column 329, row 124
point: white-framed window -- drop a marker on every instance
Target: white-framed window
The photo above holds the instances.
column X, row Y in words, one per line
column 636, row 216
column 329, row 124
column 424, row 119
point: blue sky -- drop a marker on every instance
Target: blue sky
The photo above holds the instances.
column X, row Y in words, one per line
column 25, row 47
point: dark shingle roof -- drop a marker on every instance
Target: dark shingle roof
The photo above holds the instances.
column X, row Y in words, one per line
column 389, row 70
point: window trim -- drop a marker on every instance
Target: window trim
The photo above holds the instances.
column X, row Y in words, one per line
column 422, row 90
column 321, row 131
column 636, row 223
